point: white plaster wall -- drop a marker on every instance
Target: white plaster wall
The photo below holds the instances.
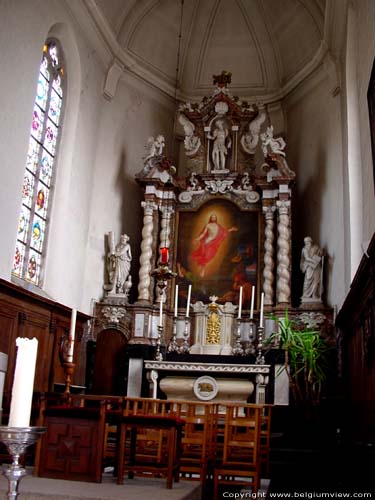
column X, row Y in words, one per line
column 137, row 112
column 365, row 11
column 23, row 30
column 314, row 151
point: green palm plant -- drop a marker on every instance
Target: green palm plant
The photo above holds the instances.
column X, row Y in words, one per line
column 306, row 360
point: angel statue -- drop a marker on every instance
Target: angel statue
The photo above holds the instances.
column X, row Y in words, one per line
column 249, row 140
column 191, row 142
column 269, row 141
column 154, row 147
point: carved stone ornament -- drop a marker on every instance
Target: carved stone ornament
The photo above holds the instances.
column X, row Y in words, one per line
column 312, row 320
column 205, row 388
column 113, row 314
column 218, row 186
column 271, row 144
column 192, row 142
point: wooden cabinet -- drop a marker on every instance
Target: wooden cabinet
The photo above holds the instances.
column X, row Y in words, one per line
column 25, row 314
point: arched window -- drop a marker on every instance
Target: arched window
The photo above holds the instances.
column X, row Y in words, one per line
column 40, row 167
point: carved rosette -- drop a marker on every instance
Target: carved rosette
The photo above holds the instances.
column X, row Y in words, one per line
column 283, row 253
column 146, row 251
column 269, row 264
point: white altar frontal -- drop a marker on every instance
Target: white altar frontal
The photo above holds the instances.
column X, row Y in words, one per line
column 208, row 381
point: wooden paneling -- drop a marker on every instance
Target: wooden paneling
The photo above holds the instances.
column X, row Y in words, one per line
column 25, row 314
column 356, row 322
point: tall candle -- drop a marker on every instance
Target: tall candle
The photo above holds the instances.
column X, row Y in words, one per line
column 176, row 302
column 240, row 304
column 161, row 311
column 252, row 302
column 23, row 384
column 164, row 255
column 111, row 241
column 72, row 335
column 188, row 301
column 261, row 310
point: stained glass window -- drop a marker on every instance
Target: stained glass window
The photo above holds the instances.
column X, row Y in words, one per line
column 40, row 166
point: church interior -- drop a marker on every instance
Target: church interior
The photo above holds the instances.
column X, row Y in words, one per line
column 187, row 206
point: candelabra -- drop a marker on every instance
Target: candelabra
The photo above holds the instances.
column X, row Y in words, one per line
column 249, row 346
column 173, row 346
column 238, row 349
column 162, row 273
column 260, row 358
column 185, row 346
column 17, row 439
column 158, row 354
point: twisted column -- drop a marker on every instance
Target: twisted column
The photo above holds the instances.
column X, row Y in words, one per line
column 269, row 263
column 146, row 251
column 165, row 226
column 283, row 253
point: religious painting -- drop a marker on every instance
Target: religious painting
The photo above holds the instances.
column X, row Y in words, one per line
column 217, row 253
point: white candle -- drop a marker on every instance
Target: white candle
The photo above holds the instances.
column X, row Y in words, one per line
column 72, row 335
column 261, row 310
column 111, row 241
column 240, row 304
column 23, row 384
column 161, row 311
column 176, row 302
column 188, row 301
column 252, row 302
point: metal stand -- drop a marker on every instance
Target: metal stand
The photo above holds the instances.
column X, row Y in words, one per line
column 68, row 372
column 250, row 345
column 17, row 439
column 185, row 346
column 238, row 349
column 260, row 357
column 172, row 346
column 158, row 355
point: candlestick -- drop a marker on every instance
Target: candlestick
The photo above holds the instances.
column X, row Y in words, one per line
column 188, row 301
column 172, row 346
column 238, row 349
column 72, row 334
column 161, row 310
column 252, row 302
column 261, row 310
column 176, row 302
column 158, row 354
column 240, row 304
column 185, row 347
column 23, row 384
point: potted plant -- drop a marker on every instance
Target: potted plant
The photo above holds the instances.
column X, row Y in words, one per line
column 305, row 361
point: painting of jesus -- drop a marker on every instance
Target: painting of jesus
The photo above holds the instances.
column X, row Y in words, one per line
column 217, row 252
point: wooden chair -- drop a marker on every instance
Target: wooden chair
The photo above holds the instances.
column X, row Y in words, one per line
column 150, row 440
column 240, row 461
column 196, row 438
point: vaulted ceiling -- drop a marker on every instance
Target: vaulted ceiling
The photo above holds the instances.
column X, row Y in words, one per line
column 269, row 46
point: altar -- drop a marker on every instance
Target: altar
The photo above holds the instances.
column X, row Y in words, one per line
column 210, row 381
column 215, row 259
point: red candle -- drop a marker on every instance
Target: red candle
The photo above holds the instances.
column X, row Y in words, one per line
column 164, row 255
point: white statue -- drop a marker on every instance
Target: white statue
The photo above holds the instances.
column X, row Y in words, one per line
column 221, row 144
column 119, row 261
column 191, row 142
column 250, row 140
column 312, row 266
column 269, row 141
column 154, row 147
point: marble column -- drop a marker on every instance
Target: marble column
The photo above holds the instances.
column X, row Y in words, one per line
column 269, row 263
column 283, row 287
column 146, row 251
column 165, row 226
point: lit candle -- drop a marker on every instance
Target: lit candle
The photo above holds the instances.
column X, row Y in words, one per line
column 252, row 302
column 188, row 301
column 240, row 304
column 72, row 335
column 164, row 255
column 261, row 310
column 161, row 311
column 176, row 302
column 23, row 384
